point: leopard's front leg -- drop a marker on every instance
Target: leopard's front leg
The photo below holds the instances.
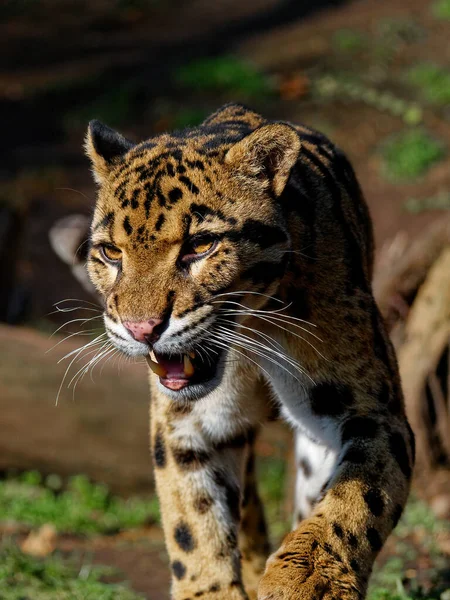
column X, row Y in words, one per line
column 200, row 455
column 330, row 555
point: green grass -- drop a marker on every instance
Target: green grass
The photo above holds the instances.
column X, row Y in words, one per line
column 271, row 473
column 433, row 82
column 399, row 30
column 410, row 154
column 224, row 74
column 440, row 201
column 390, row 582
column 441, row 9
column 349, row 40
column 23, row 577
column 83, row 507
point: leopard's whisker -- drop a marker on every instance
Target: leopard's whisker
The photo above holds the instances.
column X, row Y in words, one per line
column 86, row 365
column 245, row 292
column 270, row 340
column 273, row 318
column 77, row 352
column 82, row 321
column 88, row 345
column 244, row 344
column 250, row 344
column 269, row 312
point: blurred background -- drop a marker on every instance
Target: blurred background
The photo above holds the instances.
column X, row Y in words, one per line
column 78, row 514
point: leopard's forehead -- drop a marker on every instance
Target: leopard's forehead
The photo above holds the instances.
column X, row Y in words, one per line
column 162, row 185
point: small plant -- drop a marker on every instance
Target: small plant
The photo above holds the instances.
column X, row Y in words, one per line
column 441, row 9
column 341, row 87
column 226, row 74
column 400, row 30
column 23, row 577
column 433, row 81
column 349, row 40
column 410, row 154
column 84, row 507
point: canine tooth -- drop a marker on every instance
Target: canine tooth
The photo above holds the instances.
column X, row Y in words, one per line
column 188, row 367
column 191, row 354
column 156, row 367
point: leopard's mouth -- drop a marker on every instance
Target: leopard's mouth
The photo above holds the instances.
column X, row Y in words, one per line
column 179, row 371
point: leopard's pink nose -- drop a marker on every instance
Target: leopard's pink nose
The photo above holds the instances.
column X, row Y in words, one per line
column 144, row 331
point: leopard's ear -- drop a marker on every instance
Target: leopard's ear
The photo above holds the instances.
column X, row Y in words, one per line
column 103, row 145
column 267, row 154
column 69, row 238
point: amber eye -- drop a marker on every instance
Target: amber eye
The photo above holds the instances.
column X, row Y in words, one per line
column 202, row 246
column 198, row 248
column 110, row 253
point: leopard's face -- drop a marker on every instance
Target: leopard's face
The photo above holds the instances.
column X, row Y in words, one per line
column 183, row 248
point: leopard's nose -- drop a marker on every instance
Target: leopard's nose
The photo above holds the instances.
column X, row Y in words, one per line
column 144, row 331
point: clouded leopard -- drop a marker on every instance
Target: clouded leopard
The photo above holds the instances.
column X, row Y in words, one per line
column 236, row 256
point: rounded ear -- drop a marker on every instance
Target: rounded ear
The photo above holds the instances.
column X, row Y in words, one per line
column 103, row 145
column 69, row 238
column 267, row 154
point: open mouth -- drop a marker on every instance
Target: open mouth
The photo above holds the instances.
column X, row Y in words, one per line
column 178, row 371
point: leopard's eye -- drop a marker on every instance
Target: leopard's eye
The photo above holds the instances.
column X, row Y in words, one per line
column 197, row 248
column 202, row 246
column 111, row 254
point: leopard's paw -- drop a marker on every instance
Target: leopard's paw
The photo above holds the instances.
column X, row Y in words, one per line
column 303, row 570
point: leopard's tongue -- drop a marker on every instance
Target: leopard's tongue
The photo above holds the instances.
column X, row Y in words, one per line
column 174, row 372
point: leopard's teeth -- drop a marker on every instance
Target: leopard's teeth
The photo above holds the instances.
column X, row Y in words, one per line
column 188, row 367
column 191, row 354
column 156, row 367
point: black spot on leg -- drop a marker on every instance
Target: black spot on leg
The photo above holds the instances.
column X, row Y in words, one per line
column 305, row 467
column 331, row 399
column 352, row 540
column 374, row 539
column 359, row 427
column 355, row 455
column 183, row 537
column 232, row 495
column 127, row 226
column 178, row 569
column 338, row 531
column 354, row 565
column 398, row 448
column 159, row 451
column 190, row 459
column 374, row 501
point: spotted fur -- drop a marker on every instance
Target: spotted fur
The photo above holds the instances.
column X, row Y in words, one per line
column 284, row 298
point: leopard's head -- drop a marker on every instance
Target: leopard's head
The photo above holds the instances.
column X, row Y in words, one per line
column 187, row 240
